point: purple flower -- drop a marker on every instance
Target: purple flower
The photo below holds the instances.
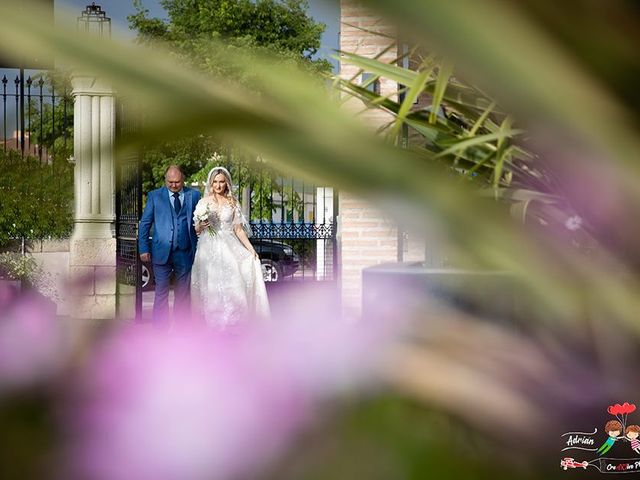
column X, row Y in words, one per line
column 32, row 342
column 197, row 404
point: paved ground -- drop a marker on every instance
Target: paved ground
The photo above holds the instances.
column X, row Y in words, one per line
column 287, row 299
column 299, row 295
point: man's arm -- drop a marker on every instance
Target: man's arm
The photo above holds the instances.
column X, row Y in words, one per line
column 195, row 198
column 144, row 229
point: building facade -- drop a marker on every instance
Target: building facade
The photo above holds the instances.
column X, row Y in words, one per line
column 368, row 236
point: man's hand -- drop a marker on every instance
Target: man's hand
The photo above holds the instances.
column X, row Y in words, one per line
column 145, row 257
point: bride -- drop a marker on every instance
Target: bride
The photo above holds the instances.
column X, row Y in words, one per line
column 226, row 279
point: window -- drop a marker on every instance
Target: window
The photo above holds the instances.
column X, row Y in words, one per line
column 371, row 82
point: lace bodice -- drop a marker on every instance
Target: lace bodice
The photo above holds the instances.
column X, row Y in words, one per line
column 223, row 218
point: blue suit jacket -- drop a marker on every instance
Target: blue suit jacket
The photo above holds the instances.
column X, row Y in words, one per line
column 158, row 212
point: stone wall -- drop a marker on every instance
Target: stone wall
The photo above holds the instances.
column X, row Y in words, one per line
column 52, row 256
column 92, row 270
column 366, row 238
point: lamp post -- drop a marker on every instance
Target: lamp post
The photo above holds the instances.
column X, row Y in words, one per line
column 94, row 21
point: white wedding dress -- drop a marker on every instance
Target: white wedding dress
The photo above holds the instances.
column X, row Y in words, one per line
column 227, row 286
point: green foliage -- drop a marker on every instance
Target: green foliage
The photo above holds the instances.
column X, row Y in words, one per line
column 390, row 436
column 197, row 156
column 27, row 437
column 280, row 28
column 260, row 181
column 455, row 120
column 52, row 126
column 262, row 190
column 189, row 153
column 16, row 266
column 35, row 198
column 457, row 125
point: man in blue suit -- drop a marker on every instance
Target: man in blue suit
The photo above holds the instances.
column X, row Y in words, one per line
column 169, row 210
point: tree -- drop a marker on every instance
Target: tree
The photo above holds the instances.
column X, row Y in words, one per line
column 35, row 198
column 279, row 28
column 190, row 153
column 50, row 116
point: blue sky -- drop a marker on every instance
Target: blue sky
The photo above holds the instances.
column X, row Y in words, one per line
column 325, row 11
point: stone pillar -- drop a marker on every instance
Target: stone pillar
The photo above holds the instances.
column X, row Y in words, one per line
column 92, row 259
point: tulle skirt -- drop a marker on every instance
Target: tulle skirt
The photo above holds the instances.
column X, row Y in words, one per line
column 227, row 287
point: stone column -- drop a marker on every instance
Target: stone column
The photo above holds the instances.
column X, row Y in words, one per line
column 92, row 259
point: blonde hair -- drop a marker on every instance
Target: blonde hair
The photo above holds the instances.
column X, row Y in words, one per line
column 215, row 171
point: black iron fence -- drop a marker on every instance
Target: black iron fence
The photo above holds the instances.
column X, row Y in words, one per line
column 36, row 109
column 36, row 145
column 293, row 222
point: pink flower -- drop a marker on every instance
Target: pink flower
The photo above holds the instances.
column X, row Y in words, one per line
column 573, row 223
column 199, row 404
column 32, row 343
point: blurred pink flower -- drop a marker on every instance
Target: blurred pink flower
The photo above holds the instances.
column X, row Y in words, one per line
column 32, row 346
column 194, row 403
column 573, row 223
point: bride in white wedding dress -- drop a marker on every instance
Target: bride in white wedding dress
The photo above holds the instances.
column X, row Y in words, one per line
column 226, row 279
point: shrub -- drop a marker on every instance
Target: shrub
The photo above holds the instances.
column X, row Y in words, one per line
column 35, row 198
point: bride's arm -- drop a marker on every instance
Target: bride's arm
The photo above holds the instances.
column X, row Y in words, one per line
column 244, row 239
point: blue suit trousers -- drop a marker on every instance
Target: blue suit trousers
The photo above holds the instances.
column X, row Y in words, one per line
column 179, row 262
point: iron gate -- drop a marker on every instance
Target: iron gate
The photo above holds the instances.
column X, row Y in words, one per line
column 288, row 215
column 36, row 113
column 128, row 213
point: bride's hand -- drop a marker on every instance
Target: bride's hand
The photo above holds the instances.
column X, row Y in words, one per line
column 200, row 226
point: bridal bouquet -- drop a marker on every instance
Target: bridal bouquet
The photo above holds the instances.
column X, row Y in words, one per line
column 203, row 213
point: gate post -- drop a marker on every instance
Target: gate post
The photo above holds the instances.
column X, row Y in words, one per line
column 92, row 259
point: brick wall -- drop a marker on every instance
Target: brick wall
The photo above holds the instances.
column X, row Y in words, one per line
column 353, row 18
column 367, row 237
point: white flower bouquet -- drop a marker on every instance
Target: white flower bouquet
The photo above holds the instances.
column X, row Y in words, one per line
column 202, row 213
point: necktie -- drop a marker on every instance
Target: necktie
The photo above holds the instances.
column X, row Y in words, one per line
column 176, row 203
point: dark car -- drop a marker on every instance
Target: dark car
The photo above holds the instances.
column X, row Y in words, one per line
column 277, row 258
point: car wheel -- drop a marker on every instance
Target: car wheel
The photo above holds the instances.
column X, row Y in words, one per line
column 271, row 271
column 146, row 278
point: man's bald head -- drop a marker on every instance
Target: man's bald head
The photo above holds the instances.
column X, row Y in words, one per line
column 174, row 178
